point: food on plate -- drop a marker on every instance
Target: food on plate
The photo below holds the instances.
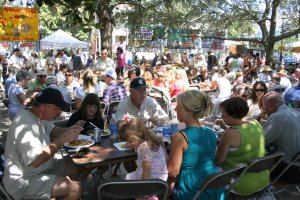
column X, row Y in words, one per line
column 80, row 142
column 123, row 145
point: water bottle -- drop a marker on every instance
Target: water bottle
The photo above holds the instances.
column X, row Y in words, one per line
column 113, row 127
column 167, row 129
column 174, row 125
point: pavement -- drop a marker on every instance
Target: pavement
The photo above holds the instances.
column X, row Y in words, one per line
column 289, row 193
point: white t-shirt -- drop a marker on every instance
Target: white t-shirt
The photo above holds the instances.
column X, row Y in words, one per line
column 224, row 88
column 80, row 94
column 150, row 108
column 26, row 136
column 14, row 105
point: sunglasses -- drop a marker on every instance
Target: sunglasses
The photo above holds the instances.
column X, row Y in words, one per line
column 68, row 74
column 42, row 76
column 259, row 90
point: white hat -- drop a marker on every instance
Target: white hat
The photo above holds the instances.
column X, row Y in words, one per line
column 111, row 72
column 41, row 72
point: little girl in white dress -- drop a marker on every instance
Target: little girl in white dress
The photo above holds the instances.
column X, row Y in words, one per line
column 151, row 155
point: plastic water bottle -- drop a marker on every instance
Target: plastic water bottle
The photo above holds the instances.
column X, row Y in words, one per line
column 174, row 125
column 113, row 127
column 167, row 129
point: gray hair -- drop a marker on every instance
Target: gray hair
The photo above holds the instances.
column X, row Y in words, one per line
column 51, row 80
column 196, row 102
column 22, row 75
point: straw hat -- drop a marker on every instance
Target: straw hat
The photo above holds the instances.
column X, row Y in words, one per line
column 282, row 72
column 266, row 68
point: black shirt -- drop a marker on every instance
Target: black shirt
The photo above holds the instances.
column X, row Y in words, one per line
column 75, row 117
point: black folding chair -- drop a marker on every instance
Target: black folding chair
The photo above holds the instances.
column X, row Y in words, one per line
column 221, row 179
column 268, row 162
column 133, row 188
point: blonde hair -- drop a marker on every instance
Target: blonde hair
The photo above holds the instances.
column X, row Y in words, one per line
column 140, row 132
column 196, row 102
column 88, row 81
column 183, row 77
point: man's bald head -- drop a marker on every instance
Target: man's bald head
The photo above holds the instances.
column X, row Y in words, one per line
column 271, row 101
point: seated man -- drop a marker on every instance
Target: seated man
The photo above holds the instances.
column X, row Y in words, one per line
column 282, row 130
column 140, row 105
column 31, row 171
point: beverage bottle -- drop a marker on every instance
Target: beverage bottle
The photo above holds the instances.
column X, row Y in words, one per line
column 167, row 129
column 174, row 125
column 113, row 127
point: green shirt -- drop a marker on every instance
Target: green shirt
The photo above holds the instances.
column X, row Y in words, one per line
column 252, row 146
column 35, row 84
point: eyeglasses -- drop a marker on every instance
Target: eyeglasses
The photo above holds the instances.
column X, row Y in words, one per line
column 259, row 90
column 68, row 74
column 42, row 76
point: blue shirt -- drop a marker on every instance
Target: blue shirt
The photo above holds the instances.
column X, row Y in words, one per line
column 292, row 94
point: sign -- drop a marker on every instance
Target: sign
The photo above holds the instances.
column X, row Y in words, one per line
column 19, row 24
column 182, row 39
column 27, row 44
column 143, row 34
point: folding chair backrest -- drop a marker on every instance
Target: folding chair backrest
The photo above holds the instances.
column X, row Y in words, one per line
column 221, row 179
column 133, row 188
column 103, row 109
column 2, row 162
column 267, row 162
column 111, row 108
column 296, row 159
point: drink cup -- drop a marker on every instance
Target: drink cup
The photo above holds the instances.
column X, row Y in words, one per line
column 97, row 135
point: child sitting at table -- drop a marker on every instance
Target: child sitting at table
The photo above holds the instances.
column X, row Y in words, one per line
column 151, row 155
column 90, row 111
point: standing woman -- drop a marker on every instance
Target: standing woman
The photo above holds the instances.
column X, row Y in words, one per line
column 17, row 97
column 121, row 62
column 192, row 152
column 88, row 86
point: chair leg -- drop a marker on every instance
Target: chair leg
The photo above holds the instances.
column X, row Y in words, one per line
column 5, row 193
column 298, row 188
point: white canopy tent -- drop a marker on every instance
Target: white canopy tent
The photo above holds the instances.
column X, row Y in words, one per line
column 60, row 39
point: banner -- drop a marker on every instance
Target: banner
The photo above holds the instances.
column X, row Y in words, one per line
column 19, row 24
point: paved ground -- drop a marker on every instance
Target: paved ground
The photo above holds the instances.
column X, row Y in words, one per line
column 289, row 194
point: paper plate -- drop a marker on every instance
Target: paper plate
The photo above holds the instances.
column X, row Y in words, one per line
column 105, row 133
column 81, row 142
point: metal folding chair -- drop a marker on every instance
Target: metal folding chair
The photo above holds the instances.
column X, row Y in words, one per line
column 221, row 179
column 2, row 161
column 111, row 108
column 268, row 162
column 133, row 189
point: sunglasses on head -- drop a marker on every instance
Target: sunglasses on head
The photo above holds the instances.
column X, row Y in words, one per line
column 259, row 90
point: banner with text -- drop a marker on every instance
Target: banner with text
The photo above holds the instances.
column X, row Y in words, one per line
column 19, row 24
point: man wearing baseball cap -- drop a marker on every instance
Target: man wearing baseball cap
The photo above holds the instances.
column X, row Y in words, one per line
column 32, row 172
column 140, row 105
column 39, row 83
column 114, row 91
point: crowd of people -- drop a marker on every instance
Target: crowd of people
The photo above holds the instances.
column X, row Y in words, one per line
column 256, row 105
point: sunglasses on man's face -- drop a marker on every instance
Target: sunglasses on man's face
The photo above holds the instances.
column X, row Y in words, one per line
column 42, row 76
column 68, row 74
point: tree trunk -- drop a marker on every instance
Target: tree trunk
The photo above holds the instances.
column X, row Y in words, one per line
column 106, row 36
column 269, row 47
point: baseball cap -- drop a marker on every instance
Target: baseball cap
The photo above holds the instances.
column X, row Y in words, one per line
column 138, row 83
column 111, row 72
column 52, row 96
column 41, row 72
